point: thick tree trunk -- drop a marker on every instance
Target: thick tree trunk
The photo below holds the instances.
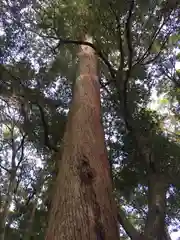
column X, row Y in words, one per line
column 155, row 224
column 83, row 206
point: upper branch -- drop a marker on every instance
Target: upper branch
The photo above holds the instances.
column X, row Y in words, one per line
column 121, row 66
column 46, row 130
column 130, row 58
column 98, row 52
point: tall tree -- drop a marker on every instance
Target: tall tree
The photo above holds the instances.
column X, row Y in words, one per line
column 137, row 43
column 16, row 147
column 83, row 206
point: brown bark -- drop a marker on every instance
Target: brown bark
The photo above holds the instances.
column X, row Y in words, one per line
column 155, row 224
column 83, row 206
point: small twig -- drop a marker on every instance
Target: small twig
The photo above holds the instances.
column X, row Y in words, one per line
column 158, row 54
column 7, row 170
column 153, row 38
column 22, row 152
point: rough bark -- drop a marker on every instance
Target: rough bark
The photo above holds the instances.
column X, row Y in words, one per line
column 83, row 206
column 155, row 224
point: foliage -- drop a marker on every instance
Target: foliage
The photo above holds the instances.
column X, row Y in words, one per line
column 137, row 48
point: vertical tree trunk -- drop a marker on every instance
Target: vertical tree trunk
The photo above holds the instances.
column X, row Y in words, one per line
column 83, row 205
column 7, row 202
column 29, row 229
column 155, row 224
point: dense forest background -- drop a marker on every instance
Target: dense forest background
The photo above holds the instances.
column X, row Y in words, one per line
column 138, row 45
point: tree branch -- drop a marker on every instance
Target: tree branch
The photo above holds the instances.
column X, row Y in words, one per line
column 63, row 41
column 98, row 51
column 172, row 78
column 46, row 130
column 153, row 38
column 130, row 57
column 157, row 55
column 126, row 224
column 22, row 152
column 7, row 170
column 22, row 143
column 121, row 65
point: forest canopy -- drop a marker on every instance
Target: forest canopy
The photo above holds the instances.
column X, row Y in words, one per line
column 137, row 44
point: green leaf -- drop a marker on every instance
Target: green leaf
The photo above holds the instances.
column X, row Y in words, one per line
column 173, row 39
column 164, row 101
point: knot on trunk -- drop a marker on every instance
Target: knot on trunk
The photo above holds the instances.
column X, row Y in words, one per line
column 86, row 173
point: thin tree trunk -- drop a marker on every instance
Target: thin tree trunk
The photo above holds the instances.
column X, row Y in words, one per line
column 155, row 224
column 83, row 206
column 7, row 202
column 29, row 229
column 167, row 235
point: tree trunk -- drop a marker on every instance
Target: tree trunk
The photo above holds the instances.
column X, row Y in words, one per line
column 7, row 202
column 29, row 230
column 155, row 224
column 83, row 206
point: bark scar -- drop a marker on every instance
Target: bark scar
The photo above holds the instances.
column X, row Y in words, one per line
column 87, row 174
column 99, row 230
